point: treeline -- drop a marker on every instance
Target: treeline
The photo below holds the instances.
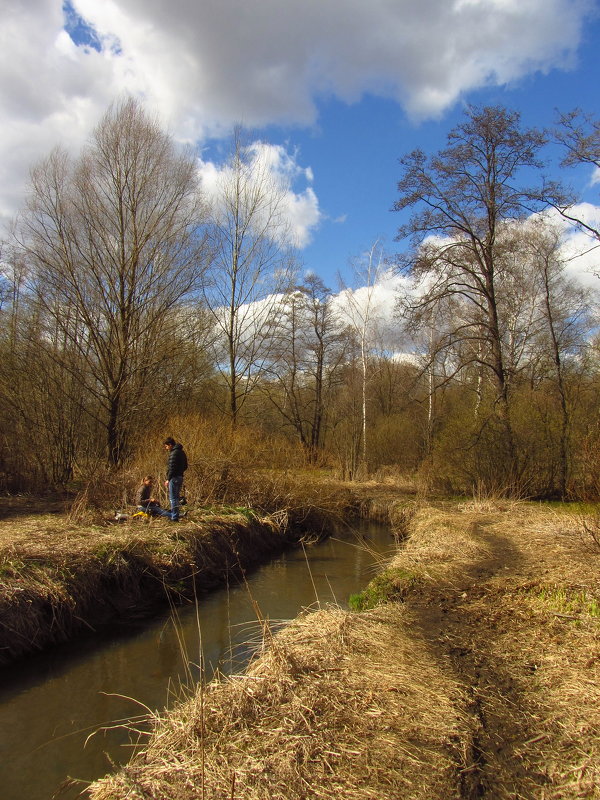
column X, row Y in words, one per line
column 137, row 303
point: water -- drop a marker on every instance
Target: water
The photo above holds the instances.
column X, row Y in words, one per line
column 51, row 706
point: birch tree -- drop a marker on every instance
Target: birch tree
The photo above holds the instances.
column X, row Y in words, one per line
column 359, row 308
column 252, row 266
column 564, row 311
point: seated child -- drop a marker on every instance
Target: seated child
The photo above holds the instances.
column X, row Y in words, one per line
column 145, row 501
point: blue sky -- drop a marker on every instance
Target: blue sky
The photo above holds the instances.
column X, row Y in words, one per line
column 355, row 152
column 339, row 89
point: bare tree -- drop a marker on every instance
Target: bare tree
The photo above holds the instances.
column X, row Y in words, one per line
column 564, row 324
column 252, row 266
column 461, row 196
column 305, row 364
column 114, row 242
column 438, row 357
column 359, row 307
column 578, row 134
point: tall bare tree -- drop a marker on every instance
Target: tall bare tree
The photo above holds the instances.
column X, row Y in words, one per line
column 564, row 321
column 578, row 134
column 115, row 243
column 310, row 349
column 360, row 309
column 252, row 265
column 460, row 198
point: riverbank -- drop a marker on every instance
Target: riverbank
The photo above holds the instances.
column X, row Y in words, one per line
column 63, row 574
column 474, row 675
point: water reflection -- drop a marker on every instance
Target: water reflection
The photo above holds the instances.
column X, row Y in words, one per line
column 50, row 706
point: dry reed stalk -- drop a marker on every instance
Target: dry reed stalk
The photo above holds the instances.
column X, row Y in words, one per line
column 58, row 578
column 340, row 706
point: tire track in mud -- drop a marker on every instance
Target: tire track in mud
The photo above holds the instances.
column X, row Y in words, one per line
column 461, row 631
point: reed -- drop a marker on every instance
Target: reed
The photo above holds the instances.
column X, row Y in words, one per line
column 324, row 712
column 60, row 578
column 481, row 681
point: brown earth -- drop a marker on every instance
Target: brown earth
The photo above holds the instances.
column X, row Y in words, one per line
column 61, row 577
column 477, row 676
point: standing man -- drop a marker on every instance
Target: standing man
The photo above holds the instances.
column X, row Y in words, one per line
column 176, row 466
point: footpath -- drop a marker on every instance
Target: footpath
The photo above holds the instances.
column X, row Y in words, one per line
column 473, row 671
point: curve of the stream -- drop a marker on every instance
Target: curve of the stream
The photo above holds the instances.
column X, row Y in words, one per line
column 51, row 704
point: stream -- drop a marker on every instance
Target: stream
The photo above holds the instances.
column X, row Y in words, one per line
column 62, row 712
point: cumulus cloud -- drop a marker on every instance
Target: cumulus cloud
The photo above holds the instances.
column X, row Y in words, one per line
column 213, row 63
column 205, row 66
column 276, row 171
column 580, row 250
column 376, row 302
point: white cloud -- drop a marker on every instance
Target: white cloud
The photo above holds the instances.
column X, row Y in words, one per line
column 377, row 301
column 580, row 250
column 300, row 209
column 274, row 167
column 205, row 66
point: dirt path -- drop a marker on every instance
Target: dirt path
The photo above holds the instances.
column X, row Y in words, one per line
column 461, row 635
column 505, row 648
column 477, row 676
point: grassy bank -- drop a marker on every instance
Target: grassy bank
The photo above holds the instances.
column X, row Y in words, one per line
column 66, row 567
column 60, row 581
column 63, row 573
column 474, row 675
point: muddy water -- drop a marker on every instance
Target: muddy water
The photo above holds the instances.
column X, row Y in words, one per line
column 60, row 713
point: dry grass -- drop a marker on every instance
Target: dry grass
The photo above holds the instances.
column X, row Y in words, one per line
column 239, row 466
column 516, row 596
column 549, row 660
column 483, row 683
column 339, row 706
column 73, row 569
column 59, row 578
column 442, row 544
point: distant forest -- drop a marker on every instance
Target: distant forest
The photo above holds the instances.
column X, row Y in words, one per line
column 133, row 308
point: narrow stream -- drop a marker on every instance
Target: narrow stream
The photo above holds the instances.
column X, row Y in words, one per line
column 53, row 707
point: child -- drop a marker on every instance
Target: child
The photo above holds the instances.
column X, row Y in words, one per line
column 145, row 501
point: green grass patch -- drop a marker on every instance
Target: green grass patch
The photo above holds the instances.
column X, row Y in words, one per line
column 565, row 600
column 390, row 586
column 249, row 513
column 577, row 507
column 11, row 569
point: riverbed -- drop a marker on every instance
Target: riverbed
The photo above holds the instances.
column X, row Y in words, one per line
column 63, row 713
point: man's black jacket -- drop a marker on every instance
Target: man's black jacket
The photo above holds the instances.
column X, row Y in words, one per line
column 177, row 463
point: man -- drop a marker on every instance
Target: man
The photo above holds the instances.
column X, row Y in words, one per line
column 176, row 466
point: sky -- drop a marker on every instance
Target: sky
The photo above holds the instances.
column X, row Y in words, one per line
column 337, row 90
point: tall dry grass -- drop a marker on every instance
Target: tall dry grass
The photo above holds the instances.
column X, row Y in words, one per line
column 231, row 467
column 60, row 577
column 337, row 706
column 519, row 595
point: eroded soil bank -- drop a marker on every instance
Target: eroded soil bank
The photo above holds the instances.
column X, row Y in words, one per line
column 475, row 675
column 61, row 577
